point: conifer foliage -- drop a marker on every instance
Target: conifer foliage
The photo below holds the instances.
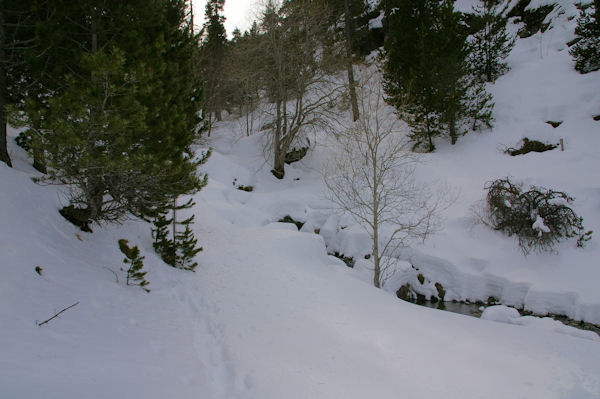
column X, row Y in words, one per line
column 213, row 51
column 586, row 50
column 176, row 248
column 427, row 74
column 491, row 43
column 538, row 217
column 117, row 111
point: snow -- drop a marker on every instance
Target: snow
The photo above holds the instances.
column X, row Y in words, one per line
column 505, row 314
column 269, row 314
column 539, row 225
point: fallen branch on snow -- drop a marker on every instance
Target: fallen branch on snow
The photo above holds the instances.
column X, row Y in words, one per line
column 56, row 314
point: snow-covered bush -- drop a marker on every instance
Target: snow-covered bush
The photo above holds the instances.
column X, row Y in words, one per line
column 539, row 217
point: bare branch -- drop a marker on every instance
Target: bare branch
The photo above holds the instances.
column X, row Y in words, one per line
column 57, row 314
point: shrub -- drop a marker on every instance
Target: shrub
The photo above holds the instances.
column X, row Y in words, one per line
column 539, row 217
column 530, row 146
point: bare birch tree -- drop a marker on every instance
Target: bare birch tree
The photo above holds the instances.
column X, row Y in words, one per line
column 373, row 180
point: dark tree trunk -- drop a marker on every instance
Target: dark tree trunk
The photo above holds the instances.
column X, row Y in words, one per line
column 3, row 144
column 278, row 155
column 452, row 128
column 3, row 148
column 39, row 160
column 349, row 68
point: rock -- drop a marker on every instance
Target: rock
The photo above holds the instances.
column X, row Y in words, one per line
column 441, row 291
column 404, row 292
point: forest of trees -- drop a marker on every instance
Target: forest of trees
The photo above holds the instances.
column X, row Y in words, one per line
column 143, row 60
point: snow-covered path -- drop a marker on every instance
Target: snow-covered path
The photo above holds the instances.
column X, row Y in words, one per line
column 298, row 323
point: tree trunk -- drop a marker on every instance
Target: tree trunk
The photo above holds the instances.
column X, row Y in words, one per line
column 279, row 164
column 349, row 67
column 95, row 200
column 376, row 257
column 4, row 157
column 39, row 160
column 278, row 156
column 452, row 128
column 375, row 213
column 429, row 137
column 39, row 157
column 209, row 123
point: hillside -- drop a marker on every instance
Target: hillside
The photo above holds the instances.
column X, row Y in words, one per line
column 269, row 314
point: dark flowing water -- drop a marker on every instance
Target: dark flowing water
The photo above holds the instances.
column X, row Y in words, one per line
column 469, row 309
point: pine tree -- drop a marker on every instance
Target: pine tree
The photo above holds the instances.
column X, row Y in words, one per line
column 187, row 247
column 465, row 103
column 4, row 43
column 214, row 44
column 410, row 70
column 119, row 107
column 490, row 42
column 163, row 245
column 426, row 73
column 135, row 275
column 16, row 41
column 586, row 50
column 176, row 248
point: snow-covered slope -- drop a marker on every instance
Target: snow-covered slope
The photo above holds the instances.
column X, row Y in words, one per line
column 269, row 314
column 474, row 262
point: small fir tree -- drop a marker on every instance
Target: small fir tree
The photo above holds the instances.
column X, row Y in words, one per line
column 490, row 42
column 586, row 50
column 135, row 275
column 179, row 248
column 163, row 246
column 187, row 247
